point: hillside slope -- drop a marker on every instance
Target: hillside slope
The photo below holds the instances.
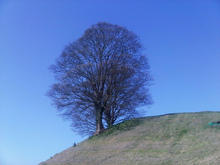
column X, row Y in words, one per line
column 174, row 139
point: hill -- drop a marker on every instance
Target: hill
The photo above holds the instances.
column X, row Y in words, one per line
column 173, row 139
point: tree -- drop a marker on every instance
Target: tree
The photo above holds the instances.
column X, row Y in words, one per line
column 101, row 78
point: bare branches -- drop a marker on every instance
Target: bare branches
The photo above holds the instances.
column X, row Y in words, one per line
column 101, row 77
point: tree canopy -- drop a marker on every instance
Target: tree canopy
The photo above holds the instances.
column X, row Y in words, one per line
column 101, row 78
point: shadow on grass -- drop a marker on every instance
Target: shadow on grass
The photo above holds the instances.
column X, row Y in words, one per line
column 118, row 128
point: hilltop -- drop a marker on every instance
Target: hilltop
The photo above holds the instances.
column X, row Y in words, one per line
column 173, row 139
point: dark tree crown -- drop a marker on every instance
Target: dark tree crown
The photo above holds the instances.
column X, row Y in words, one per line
column 101, row 77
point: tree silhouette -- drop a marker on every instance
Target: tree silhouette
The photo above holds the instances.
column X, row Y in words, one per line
column 101, row 78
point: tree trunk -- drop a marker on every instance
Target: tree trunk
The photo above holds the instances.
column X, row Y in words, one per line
column 99, row 124
column 109, row 118
column 109, row 121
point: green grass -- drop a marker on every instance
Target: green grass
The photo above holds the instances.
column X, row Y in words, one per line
column 119, row 128
column 173, row 139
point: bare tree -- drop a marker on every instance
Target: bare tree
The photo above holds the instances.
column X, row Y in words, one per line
column 101, row 77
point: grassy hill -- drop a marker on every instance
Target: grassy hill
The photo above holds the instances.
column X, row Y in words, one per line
column 173, row 139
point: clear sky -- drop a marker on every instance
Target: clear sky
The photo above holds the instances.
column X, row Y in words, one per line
column 181, row 39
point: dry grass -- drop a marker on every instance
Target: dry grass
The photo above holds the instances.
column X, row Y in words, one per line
column 177, row 139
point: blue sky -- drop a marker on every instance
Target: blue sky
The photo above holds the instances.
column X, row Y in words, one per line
column 181, row 39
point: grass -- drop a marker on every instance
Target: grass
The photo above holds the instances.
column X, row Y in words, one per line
column 119, row 128
column 162, row 140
